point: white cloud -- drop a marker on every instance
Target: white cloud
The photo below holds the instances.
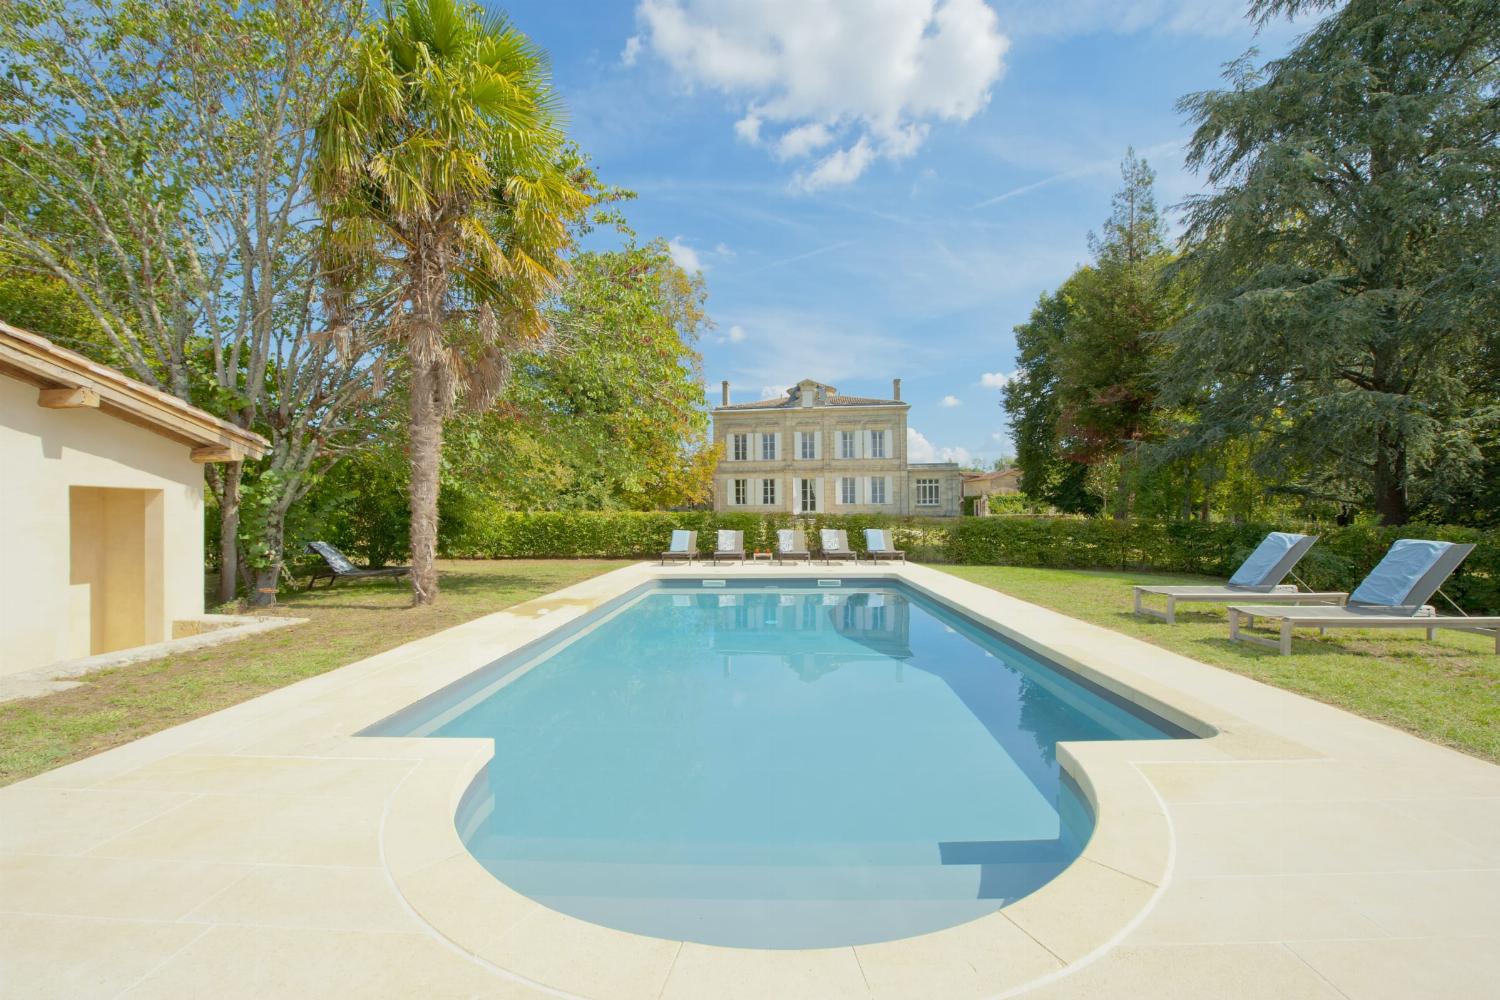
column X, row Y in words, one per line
column 771, row 391
column 996, row 380
column 632, row 50
column 684, row 256
column 736, row 334
column 919, row 449
column 748, row 129
column 950, row 401
column 870, row 77
column 839, row 167
column 802, row 140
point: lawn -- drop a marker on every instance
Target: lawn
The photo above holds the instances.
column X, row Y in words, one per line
column 346, row 624
column 1447, row 691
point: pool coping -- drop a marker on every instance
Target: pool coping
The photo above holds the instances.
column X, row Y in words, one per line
column 1120, row 873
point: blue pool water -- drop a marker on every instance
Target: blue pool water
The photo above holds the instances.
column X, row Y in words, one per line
column 778, row 766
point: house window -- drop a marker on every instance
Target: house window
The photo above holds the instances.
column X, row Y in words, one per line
column 768, row 447
column 768, row 492
column 877, row 489
column 739, row 447
column 847, row 447
column 807, row 444
column 741, row 489
column 927, row 493
column 877, row 445
column 847, row 491
column 808, row 495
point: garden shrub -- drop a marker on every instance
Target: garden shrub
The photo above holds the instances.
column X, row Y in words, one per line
column 1341, row 558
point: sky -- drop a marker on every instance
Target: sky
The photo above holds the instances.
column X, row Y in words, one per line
column 878, row 189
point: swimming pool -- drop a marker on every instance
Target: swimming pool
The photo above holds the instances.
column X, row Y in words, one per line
column 780, row 764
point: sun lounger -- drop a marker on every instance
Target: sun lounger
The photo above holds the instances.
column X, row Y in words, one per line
column 835, row 545
column 336, row 566
column 791, row 543
column 729, row 546
column 1258, row 579
column 684, row 546
column 1394, row 595
column 878, row 545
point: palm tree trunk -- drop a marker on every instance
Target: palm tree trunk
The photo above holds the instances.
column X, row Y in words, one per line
column 426, row 451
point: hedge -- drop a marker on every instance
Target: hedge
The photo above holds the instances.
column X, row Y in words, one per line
column 1339, row 560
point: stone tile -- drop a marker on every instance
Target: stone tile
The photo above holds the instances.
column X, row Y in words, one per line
column 703, row 971
column 583, row 958
column 1192, row 972
column 354, row 899
column 1412, row 969
column 1426, row 904
column 1301, row 781
column 108, row 887
column 419, row 824
column 1273, row 838
column 49, row 820
column 70, row 958
column 1473, row 820
column 254, row 963
column 465, row 903
column 255, row 829
column 1081, row 909
column 982, row 958
column 1269, row 909
column 225, row 774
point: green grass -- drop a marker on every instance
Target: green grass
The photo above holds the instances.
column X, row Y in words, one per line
column 345, row 624
column 1447, row 691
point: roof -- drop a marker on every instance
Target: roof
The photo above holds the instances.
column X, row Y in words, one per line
column 974, row 477
column 34, row 359
column 832, row 397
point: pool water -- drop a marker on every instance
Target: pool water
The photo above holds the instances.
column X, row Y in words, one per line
column 781, row 766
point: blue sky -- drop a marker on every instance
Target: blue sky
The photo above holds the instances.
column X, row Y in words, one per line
column 882, row 188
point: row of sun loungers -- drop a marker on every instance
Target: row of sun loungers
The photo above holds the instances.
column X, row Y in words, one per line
column 1393, row 595
column 791, row 545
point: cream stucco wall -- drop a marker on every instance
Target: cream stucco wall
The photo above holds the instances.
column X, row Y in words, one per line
column 826, row 468
column 63, row 474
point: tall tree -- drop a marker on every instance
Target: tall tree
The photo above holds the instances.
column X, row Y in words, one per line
column 1086, row 391
column 1347, row 261
column 1033, row 405
column 443, row 164
column 154, row 161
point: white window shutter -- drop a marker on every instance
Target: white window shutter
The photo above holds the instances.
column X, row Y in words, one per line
column 888, row 489
column 777, row 438
column 817, row 444
column 864, row 444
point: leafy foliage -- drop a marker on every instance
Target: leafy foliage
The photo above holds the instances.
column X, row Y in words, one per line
column 1345, row 268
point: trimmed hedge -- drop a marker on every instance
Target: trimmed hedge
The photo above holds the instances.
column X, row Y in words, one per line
column 1339, row 560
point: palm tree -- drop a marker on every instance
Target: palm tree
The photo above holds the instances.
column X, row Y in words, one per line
column 443, row 171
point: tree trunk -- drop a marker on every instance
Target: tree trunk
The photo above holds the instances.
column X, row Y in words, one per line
column 268, row 578
column 1122, row 496
column 229, row 529
column 426, row 436
column 1390, row 484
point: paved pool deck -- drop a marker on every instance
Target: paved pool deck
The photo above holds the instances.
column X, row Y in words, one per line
column 1296, row 851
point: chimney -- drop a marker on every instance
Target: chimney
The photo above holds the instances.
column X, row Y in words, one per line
column 896, row 389
column 725, row 384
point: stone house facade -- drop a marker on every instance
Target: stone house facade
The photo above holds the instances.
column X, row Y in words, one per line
column 816, row 451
